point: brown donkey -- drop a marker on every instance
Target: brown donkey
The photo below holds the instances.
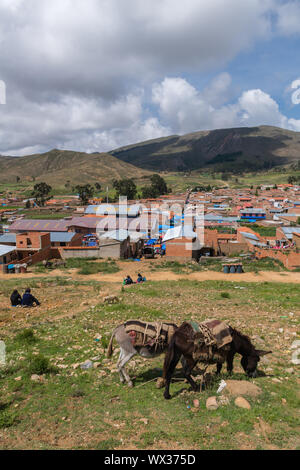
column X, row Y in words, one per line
column 182, row 344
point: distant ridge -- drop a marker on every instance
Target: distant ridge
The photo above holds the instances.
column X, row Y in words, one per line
column 237, row 149
column 252, row 148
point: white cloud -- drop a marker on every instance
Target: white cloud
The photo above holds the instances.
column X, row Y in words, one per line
column 187, row 109
column 79, row 74
column 288, row 21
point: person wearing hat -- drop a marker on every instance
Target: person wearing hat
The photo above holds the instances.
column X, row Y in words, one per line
column 29, row 300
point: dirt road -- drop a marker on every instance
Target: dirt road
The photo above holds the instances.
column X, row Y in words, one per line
column 145, row 268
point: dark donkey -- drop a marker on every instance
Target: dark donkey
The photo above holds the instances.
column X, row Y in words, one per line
column 182, row 344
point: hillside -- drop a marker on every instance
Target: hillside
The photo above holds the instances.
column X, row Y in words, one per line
column 242, row 149
column 58, row 166
column 253, row 149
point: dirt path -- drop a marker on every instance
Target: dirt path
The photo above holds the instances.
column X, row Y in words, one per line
column 144, row 267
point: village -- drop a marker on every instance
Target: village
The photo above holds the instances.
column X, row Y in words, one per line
column 228, row 224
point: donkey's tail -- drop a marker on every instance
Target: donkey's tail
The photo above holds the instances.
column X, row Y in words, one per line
column 169, row 356
column 110, row 346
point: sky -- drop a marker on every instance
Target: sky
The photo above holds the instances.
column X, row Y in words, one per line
column 95, row 75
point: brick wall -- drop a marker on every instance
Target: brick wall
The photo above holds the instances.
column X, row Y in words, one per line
column 38, row 257
column 290, row 260
column 34, row 240
column 181, row 248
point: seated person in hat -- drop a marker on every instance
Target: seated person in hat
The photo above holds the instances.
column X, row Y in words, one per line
column 29, row 300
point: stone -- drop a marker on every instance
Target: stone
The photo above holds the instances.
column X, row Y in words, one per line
column 241, row 402
column 38, row 378
column 276, row 381
column 241, row 387
column 196, row 403
column 211, row 403
column 160, row 382
column 290, row 370
column 86, row 365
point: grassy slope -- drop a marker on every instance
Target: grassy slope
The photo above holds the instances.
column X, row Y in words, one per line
column 58, row 166
column 90, row 409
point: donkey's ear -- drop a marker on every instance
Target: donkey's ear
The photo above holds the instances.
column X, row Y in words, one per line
column 260, row 352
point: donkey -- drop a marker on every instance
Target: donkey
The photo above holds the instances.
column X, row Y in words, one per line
column 128, row 350
column 182, row 344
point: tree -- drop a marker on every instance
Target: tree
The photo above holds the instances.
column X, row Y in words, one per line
column 158, row 183
column 85, row 192
column 158, row 188
column 98, row 186
column 125, row 187
column 41, row 193
column 292, row 179
column 149, row 192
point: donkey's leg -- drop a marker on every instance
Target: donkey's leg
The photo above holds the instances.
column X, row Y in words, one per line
column 122, row 369
column 219, row 367
column 189, row 366
column 169, row 373
column 121, row 357
column 229, row 362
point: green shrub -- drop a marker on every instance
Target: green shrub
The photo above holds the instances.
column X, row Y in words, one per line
column 40, row 365
column 7, row 418
column 26, row 336
column 225, row 295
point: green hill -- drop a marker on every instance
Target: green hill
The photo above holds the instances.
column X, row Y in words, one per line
column 58, row 166
column 247, row 149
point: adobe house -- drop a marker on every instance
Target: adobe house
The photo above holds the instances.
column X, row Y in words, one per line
column 253, row 214
column 33, row 247
column 182, row 242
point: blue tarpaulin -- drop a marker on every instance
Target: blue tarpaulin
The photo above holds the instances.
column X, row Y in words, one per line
column 152, row 241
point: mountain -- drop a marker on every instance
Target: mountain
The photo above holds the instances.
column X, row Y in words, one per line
column 58, row 166
column 240, row 149
column 252, row 149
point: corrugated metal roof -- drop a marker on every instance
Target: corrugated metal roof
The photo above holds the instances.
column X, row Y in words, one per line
column 61, row 237
column 8, row 238
column 290, row 229
column 179, row 232
column 122, row 235
column 4, row 249
column 253, row 210
column 35, row 225
column 86, row 222
column 249, row 235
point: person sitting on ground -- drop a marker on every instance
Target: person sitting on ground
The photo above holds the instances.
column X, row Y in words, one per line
column 15, row 299
column 140, row 278
column 29, row 300
column 128, row 281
